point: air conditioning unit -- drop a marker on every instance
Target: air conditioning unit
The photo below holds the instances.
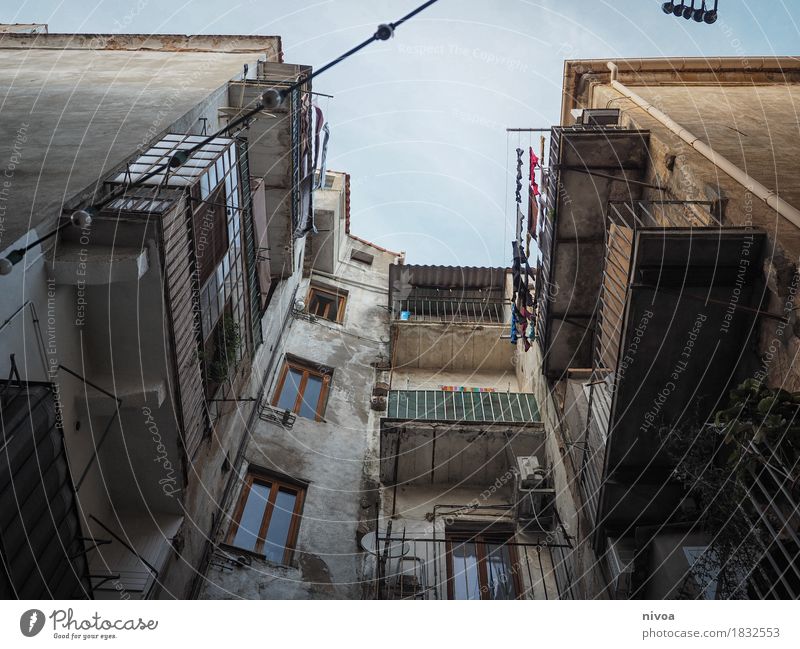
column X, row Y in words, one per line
column 534, row 495
column 620, row 560
column 596, row 116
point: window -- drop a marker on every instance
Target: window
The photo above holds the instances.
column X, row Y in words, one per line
column 267, row 517
column 210, row 234
column 302, row 389
column 363, row 257
column 326, row 304
column 481, row 566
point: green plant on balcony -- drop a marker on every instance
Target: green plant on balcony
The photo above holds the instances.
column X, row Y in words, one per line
column 755, row 437
column 227, row 342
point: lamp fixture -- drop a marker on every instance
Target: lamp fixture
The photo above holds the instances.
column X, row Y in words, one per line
column 691, row 11
column 78, row 219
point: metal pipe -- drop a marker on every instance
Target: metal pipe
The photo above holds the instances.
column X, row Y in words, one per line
column 765, row 194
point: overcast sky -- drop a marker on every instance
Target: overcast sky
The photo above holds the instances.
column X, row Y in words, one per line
column 419, row 121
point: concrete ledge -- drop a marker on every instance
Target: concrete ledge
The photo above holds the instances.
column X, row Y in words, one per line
column 95, row 265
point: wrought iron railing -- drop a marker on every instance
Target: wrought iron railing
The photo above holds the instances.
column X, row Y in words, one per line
column 434, row 568
column 426, row 309
column 544, row 291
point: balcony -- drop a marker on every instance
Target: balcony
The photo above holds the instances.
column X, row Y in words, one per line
column 677, row 558
column 467, row 438
column 471, row 567
column 591, row 165
column 41, row 538
column 449, row 318
column 463, row 406
column 454, row 310
column 676, row 307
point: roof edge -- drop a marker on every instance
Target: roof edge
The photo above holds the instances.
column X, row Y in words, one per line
column 213, row 43
column 716, row 68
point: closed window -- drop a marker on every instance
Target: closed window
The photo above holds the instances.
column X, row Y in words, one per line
column 326, row 304
column 267, row 517
column 481, row 566
column 302, row 389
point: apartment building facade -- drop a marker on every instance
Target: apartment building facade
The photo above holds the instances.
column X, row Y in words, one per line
column 467, row 508
column 666, row 310
column 306, row 490
column 138, row 333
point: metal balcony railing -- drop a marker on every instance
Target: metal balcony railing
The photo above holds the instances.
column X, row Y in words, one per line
column 544, row 291
column 425, row 309
column 774, row 510
column 440, row 568
column 624, row 219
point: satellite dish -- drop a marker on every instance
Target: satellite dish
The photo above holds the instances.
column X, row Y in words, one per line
column 369, row 543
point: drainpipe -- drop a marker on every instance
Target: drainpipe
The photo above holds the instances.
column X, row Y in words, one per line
column 774, row 201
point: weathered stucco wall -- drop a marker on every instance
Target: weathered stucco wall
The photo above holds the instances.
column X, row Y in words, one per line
column 752, row 127
column 416, row 379
column 335, row 456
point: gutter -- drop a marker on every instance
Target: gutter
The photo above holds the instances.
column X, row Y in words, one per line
column 767, row 195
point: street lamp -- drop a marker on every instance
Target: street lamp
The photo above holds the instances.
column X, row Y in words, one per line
column 691, row 12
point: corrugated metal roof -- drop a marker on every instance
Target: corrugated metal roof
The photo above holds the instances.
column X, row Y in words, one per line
column 403, row 277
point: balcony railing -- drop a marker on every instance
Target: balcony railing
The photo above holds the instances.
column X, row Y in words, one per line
column 774, row 510
column 452, row 310
column 438, row 568
column 463, row 406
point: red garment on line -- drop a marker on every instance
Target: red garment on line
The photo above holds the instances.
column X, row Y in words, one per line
column 533, row 205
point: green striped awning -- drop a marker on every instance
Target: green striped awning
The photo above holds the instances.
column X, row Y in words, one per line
column 463, row 406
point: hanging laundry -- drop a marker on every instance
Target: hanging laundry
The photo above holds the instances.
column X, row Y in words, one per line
column 518, row 192
column 534, row 164
column 533, row 196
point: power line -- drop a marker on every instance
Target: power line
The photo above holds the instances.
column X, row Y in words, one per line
column 271, row 98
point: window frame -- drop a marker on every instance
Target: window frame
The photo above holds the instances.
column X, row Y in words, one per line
column 307, row 371
column 481, row 540
column 276, row 483
column 335, row 294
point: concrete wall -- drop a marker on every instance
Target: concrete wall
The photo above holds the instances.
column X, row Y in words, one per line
column 416, row 379
column 76, row 110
